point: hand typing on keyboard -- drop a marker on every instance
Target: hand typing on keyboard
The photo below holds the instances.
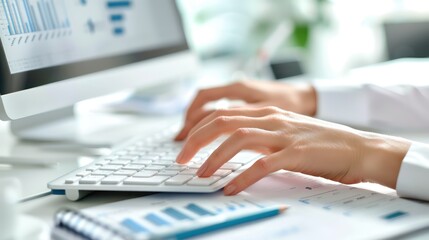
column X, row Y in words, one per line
column 149, row 164
column 206, row 163
column 288, row 140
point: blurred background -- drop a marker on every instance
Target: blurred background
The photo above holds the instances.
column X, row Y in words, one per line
column 320, row 38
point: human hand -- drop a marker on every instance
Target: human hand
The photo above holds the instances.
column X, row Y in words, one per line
column 296, row 98
column 296, row 143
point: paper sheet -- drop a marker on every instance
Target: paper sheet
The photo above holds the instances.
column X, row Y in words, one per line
column 319, row 209
column 384, row 215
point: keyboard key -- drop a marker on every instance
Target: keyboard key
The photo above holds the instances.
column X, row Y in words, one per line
column 203, row 155
column 162, row 162
column 197, row 159
column 195, row 165
column 207, row 150
column 168, row 173
column 114, row 179
column 157, row 153
column 143, row 149
column 171, row 154
column 163, row 149
column 222, row 173
column 142, row 162
column 92, row 168
column 101, row 173
column 125, row 172
column 151, row 157
column 90, row 179
column 168, row 158
column 133, row 167
column 111, row 167
column 172, row 144
column 203, row 181
column 178, row 180
column 244, row 157
column 145, row 173
column 103, row 162
column 192, row 171
column 120, row 162
column 175, row 166
column 83, row 173
column 129, row 157
column 231, row 166
column 155, row 167
column 156, row 180
column 71, row 180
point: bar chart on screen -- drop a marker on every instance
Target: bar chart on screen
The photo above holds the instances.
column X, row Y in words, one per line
column 117, row 10
column 29, row 20
column 45, row 33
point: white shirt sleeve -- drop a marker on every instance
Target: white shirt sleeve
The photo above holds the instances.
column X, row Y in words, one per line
column 413, row 178
column 369, row 105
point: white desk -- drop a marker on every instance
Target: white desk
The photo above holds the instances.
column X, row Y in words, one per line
column 34, row 180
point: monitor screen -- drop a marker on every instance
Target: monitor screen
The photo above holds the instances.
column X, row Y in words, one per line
column 44, row 41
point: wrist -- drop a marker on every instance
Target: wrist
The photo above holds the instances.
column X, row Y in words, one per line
column 309, row 100
column 382, row 159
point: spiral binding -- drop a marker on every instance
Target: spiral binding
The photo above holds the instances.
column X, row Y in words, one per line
column 87, row 227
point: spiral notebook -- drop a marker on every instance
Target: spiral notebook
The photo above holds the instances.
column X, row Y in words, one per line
column 151, row 217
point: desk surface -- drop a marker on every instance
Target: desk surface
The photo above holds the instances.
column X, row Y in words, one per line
column 34, row 179
column 44, row 208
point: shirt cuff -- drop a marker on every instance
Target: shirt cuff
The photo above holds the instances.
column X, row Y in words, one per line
column 341, row 103
column 413, row 178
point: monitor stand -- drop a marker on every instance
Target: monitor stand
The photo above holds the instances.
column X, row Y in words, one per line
column 98, row 130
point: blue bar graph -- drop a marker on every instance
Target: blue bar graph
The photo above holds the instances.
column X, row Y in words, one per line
column 30, row 16
column 156, row 220
column 118, row 4
column 17, row 18
column 176, row 214
column 133, row 226
column 198, row 210
column 117, row 9
column 116, row 17
column 118, row 31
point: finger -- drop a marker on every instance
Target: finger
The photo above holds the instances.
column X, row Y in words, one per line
column 212, row 130
column 247, row 112
column 196, row 117
column 259, row 105
column 232, row 91
column 256, row 172
column 241, row 139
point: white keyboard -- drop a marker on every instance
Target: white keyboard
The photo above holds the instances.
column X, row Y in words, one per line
column 149, row 165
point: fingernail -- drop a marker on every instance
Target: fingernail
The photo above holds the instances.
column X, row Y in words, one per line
column 202, row 169
column 179, row 157
column 179, row 136
column 229, row 189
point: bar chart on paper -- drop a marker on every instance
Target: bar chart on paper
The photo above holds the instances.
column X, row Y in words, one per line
column 162, row 213
column 24, row 18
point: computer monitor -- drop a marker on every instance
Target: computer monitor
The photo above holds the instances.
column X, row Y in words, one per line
column 56, row 53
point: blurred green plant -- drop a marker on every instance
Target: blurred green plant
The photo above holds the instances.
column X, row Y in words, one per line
column 301, row 32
